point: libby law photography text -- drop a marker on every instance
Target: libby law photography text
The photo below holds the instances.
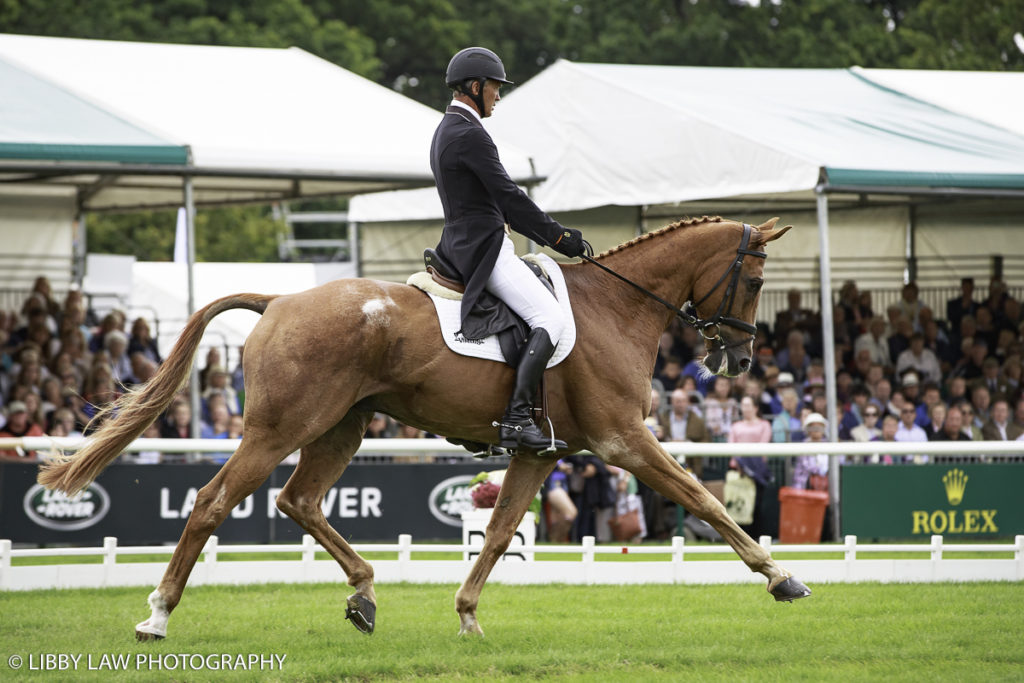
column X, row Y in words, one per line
column 62, row 661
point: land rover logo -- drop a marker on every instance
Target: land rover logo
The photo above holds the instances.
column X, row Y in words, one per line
column 450, row 498
column 61, row 512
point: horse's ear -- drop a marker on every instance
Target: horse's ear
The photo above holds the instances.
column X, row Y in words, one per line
column 768, row 233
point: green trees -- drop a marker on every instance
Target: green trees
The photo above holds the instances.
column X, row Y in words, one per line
column 224, row 234
column 963, row 34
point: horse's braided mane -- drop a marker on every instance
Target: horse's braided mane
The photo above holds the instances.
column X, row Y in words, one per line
column 683, row 223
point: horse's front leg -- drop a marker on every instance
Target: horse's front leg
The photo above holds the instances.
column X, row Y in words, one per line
column 659, row 470
column 522, row 481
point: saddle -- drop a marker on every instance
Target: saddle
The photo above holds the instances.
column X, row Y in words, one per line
column 490, row 314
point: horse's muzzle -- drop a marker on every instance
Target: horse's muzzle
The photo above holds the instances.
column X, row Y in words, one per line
column 727, row 362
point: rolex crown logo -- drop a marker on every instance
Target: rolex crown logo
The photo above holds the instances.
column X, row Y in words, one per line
column 955, row 482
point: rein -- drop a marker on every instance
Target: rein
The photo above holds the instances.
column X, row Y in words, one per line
column 691, row 316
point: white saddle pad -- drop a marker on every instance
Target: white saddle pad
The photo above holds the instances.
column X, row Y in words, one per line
column 449, row 313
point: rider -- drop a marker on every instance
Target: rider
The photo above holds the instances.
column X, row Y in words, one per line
column 479, row 199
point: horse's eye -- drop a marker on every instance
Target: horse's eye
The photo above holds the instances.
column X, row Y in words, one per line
column 755, row 285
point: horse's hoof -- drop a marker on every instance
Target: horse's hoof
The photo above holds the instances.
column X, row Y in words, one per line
column 473, row 630
column 789, row 590
column 142, row 636
column 361, row 612
column 147, row 630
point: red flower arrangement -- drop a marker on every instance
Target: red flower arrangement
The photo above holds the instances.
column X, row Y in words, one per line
column 485, row 494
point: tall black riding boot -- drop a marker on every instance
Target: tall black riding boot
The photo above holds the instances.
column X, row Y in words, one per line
column 517, row 429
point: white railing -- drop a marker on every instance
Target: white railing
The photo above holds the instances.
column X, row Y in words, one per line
column 678, row 568
column 43, row 444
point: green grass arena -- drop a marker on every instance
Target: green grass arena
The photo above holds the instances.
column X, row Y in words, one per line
column 907, row 632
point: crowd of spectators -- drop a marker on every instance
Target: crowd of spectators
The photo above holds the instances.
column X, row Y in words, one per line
column 903, row 374
column 60, row 363
column 939, row 379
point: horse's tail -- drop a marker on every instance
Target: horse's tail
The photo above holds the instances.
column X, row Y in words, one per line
column 137, row 409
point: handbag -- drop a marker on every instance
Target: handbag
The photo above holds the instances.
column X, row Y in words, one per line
column 625, row 526
column 740, row 495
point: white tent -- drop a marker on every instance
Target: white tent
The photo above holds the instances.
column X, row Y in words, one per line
column 101, row 125
column 260, row 124
column 627, row 135
column 42, row 124
column 106, row 125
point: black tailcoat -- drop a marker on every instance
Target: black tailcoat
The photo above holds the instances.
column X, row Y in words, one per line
column 479, row 198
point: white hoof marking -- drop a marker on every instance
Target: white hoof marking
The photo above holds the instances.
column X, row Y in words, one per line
column 157, row 623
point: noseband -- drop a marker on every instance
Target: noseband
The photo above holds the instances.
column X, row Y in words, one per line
column 711, row 328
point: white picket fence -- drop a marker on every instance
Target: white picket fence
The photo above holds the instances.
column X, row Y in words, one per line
column 997, row 450
column 679, row 567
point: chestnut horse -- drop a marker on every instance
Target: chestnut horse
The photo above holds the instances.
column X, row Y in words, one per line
column 319, row 364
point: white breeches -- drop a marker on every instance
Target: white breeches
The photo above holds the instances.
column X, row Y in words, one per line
column 513, row 282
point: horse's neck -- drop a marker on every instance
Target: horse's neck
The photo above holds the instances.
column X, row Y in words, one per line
column 664, row 264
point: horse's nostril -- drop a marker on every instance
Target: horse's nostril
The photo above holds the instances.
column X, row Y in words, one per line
column 745, row 364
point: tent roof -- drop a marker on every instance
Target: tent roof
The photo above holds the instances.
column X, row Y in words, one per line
column 632, row 135
column 853, row 129
column 34, row 115
column 996, row 97
column 261, row 124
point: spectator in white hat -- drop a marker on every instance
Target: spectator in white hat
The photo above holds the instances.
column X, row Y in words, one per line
column 811, row 471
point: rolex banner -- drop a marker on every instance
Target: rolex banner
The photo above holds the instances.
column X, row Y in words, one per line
column 917, row 501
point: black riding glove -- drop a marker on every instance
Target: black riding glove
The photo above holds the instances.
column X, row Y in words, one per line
column 570, row 243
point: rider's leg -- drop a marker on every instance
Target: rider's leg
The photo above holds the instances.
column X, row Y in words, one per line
column 518, row 429
column 513, row 282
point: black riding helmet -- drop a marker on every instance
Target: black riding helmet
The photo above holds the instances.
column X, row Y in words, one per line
column 474, row 64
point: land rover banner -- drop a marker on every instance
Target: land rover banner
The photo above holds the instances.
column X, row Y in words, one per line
column 917, row 501
column 142, row 504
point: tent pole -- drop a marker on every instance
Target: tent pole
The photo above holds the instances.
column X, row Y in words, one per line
column 353, row 247
column 829, row 348
column 911, row 271
column 827, row 329
column 78, row 247
column 190, row 234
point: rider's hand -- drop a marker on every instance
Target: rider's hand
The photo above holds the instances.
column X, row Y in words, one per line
column 570, row 243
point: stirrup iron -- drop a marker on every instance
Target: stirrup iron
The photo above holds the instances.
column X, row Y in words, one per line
column 551, row 431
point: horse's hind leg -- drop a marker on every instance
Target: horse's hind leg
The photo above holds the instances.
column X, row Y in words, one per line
column 320, row 466
column 240, row 476
column 660, row 471
column 522, row 481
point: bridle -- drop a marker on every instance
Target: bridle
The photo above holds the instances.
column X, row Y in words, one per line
column 710, row 328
